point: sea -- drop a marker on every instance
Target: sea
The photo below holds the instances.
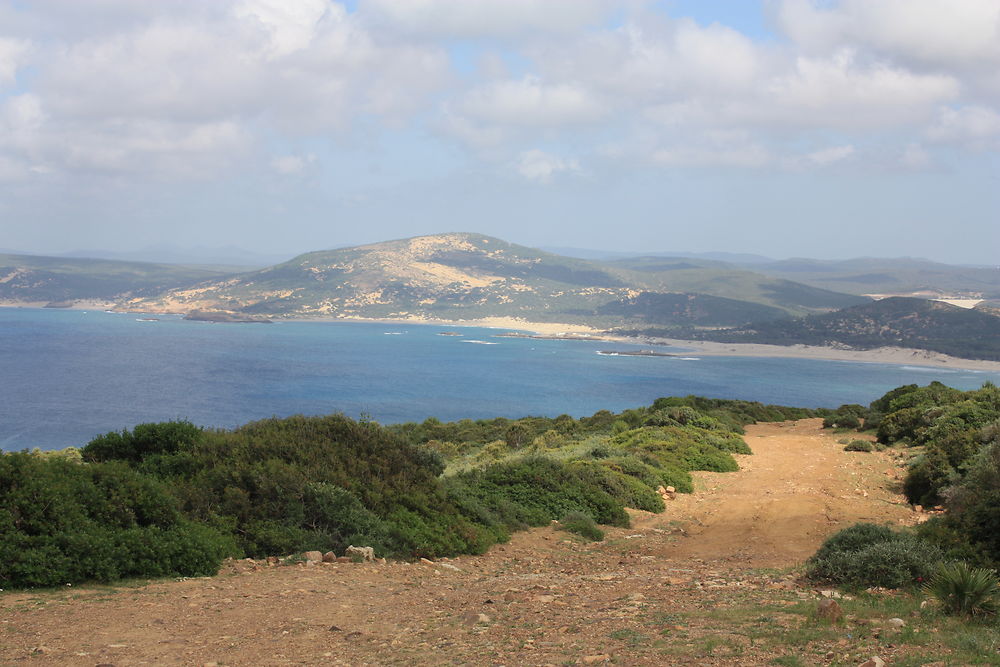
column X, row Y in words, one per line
column 67, row 376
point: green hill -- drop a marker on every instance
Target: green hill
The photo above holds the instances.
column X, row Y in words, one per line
column 470, row 276
column 901, row 276
column 896, row 322
column 29, row 278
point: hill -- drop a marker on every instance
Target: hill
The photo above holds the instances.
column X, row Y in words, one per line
column 471, row 276
column 36, row 279
column 899, row 276
column 896, row 321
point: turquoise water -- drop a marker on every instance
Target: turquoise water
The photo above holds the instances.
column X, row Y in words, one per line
column 66, row 376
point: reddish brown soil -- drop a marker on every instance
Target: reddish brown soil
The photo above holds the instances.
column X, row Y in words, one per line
column 651, row 594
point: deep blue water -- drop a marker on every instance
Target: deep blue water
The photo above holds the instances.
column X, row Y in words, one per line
column 66, row 376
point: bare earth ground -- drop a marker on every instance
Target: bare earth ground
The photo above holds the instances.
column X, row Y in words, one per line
column 678, row 588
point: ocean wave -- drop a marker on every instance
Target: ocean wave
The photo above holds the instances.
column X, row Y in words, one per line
column 478, row 342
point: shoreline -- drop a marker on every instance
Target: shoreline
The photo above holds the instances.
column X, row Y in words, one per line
column 553, row 330
column 902, row 356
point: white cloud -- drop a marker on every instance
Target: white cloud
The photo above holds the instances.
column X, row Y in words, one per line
column 292, row 164
column 291, row 26
column 12, row 55
column 148, row 87
column 915, row 157
column 827, row 156
column 927, row 31
column 650, row 59
column 537, row 165
column 530, row 102
column 211, row 79
column 838, row 92
column 974, row 126
column 486, row 18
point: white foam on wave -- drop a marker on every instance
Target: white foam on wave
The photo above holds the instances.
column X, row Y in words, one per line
column 928, row 369
column 478, row 342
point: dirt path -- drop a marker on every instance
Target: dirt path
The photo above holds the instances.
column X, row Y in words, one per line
column 798, row 487
column 651, row 594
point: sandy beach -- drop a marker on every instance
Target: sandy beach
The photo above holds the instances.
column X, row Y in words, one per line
column 882, row 355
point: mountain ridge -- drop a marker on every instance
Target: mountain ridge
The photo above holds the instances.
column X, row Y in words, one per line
column 462, row 275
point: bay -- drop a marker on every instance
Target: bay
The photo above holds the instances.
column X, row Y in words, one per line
column 66, row 376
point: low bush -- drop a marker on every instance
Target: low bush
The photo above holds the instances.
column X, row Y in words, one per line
column 859, row 446
column 581, row 524
column 867, row 555
column 625, row 489
column 534, row 491
column 846, row 416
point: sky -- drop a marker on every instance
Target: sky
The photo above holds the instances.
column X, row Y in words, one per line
column 788, row 128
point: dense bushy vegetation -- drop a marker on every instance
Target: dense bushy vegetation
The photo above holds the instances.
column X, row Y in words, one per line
column 867, row 555
column 62, row 522
column 954, row 437
column 174, row 499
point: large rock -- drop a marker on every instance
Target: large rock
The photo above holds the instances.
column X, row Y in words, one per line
column 366, row 554
column 829, row 610
column 313, row 556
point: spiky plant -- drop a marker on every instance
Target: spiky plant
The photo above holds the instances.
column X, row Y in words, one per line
column 965, row 590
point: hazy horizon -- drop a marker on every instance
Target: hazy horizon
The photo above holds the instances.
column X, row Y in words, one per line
column 236, row 256
column 827, row 129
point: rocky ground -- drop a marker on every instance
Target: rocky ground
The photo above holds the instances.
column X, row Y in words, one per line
column 711, row 581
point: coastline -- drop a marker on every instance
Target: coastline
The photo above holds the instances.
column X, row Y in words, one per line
column 885, row 355
column 902, row 356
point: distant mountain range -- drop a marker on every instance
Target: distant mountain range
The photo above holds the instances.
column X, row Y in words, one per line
column 889, row 276
column 228, row 257
column 35, row 279
column 463, row 276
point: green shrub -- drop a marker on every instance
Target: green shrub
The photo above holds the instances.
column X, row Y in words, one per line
column 846, row 416
column 142, row 441
column 581, row 524
column 536, row 490
column 965, row 591
column 953, row 539
column 625, row 489
column 928, row 476
column 64, row 522
column 866, row 555
column 974, row 502
column 859, row 446
column 853, row 538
